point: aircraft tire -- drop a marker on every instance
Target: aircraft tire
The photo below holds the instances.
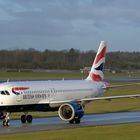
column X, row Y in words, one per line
column 71, row 121
column 77, row 121
column 23, row 118
column 29, row 118
column 6, row 123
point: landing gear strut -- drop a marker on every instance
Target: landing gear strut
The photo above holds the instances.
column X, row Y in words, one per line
column 6, row 119
column 26, row 118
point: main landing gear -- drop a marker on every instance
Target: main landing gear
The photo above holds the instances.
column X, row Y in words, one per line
column 26, row 118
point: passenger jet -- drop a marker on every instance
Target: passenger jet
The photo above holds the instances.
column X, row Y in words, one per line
column 68, row 97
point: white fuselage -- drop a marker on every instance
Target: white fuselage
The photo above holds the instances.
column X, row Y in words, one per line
column 45, row 92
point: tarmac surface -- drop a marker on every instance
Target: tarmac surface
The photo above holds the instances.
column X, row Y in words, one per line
column 55, row 123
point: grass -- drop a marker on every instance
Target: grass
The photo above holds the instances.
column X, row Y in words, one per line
column 52, row 75
column 122, row 75
column 111, row 132
column 38, row 75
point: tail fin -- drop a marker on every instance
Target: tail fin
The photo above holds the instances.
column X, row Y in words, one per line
column 96, row 72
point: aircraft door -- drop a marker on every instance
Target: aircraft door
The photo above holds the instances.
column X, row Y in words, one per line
column 19, row 97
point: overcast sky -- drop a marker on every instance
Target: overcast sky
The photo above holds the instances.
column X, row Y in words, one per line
column 65, row 24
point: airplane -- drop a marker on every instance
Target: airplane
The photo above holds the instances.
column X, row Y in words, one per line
column 68, row 97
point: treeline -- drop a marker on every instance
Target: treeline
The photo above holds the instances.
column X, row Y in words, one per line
column 66, row 59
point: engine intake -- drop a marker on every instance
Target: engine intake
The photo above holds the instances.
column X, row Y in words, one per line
column 70, row 111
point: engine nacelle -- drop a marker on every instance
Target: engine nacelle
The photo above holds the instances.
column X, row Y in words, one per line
column 70, row 111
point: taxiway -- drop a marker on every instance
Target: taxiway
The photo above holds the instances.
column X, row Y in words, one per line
column 55, row 123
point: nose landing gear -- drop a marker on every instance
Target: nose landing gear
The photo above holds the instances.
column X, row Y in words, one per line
column 6, row 119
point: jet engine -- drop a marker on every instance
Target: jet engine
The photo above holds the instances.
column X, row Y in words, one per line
column 71, row 112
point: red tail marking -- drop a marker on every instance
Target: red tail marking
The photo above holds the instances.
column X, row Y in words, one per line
column 100, row 55
column 95, row 77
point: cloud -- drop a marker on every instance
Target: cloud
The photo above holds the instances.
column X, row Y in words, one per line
column 64, row 19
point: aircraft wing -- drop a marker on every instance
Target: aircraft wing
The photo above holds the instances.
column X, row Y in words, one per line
column 111, row 97
column 133, row 96
column 117, row 86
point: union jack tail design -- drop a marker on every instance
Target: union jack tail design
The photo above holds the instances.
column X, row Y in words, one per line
column 96, row 73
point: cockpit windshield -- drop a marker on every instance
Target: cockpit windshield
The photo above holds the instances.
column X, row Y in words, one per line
column 4, row 92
